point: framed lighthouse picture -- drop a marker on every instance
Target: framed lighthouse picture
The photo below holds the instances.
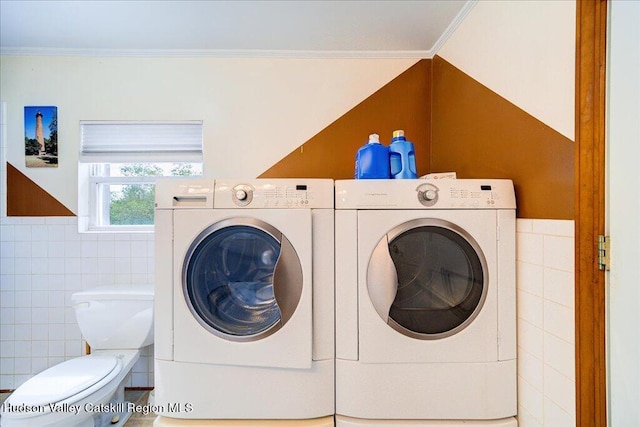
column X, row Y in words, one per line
column 41, row 136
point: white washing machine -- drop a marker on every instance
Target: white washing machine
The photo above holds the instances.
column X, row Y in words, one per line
column 425, row 303
column 245, row 299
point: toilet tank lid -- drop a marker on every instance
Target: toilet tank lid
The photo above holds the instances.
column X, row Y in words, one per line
column 64, row 380
column 117, row 292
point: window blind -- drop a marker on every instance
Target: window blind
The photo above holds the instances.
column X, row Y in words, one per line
column 135, row 141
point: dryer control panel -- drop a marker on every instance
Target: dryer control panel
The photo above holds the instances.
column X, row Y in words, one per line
column 274, row 194
column 423, row 194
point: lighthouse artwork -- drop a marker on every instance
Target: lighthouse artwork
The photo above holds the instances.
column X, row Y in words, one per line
column 41, row 136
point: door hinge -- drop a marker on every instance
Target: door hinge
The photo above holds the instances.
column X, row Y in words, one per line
column 604, row 253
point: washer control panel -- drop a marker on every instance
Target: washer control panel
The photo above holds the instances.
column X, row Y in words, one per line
column 288, row 196
column 281, row 193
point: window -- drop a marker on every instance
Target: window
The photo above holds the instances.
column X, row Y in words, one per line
column 119, row 165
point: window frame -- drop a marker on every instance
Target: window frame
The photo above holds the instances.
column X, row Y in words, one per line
column 100, row 200
column 94, row 197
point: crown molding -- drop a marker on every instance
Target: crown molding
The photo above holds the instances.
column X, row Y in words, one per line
column 218, row 53
column 466, row 9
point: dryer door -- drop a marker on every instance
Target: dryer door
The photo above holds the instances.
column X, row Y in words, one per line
column 427, row 279
column 242, row 279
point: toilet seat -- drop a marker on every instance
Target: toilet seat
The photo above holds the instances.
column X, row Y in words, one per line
column 68, row 381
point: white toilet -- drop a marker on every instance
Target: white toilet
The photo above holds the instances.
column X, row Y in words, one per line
column 116, row 321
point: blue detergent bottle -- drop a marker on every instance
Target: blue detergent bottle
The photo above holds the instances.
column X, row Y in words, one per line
column 372, row 160
column 402, row 157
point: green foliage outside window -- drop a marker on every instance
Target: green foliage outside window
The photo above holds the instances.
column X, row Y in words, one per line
column 133, row 204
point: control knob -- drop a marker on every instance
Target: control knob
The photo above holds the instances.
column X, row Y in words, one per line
column 429, row 195
column 242, row 194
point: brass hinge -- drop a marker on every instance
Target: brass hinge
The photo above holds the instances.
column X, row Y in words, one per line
column 604, row 253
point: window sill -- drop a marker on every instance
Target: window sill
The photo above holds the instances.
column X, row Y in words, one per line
column 85, row 228
column 120, row 229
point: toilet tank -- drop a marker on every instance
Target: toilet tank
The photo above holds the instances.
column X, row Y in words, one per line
column 115, row 317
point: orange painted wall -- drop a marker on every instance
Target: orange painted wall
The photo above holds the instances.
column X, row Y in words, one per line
column 456, row 124
column 26, row 198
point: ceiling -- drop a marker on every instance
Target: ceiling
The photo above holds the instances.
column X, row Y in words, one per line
column 250, row 28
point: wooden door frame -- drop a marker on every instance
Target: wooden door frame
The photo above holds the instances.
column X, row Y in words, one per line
column 591, row 31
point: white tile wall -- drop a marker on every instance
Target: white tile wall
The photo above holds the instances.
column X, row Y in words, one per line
column 546, row 340
column 42, row 262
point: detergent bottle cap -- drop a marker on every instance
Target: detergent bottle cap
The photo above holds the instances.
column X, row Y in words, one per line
column 374, row 138
column 398, row 135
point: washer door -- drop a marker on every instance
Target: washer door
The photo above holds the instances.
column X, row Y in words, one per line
column 427, row 279
column 242, row 279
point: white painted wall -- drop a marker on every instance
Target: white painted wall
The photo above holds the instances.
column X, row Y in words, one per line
column 623, row 213
column 255, row 110
column 525, row 52
column 3, row 160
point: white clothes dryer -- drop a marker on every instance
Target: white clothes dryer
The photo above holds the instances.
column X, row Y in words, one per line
column 425, row 302
column 244, row 299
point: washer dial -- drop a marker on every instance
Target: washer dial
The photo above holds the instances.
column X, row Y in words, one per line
column 242, row 194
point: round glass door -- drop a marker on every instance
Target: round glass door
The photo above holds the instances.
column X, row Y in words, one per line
column 438, row 279
column 235, row 281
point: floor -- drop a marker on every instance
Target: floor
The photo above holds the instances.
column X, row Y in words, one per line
column 139, row 397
